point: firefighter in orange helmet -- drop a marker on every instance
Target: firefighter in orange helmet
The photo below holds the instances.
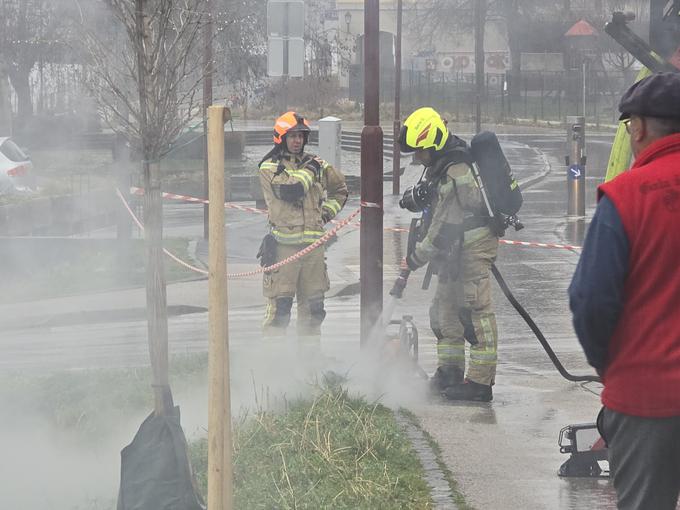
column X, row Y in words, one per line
column 303, row 193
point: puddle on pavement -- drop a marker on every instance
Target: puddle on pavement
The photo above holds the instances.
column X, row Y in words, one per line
column 581, row 493
column 574, row 231
column 484, row 417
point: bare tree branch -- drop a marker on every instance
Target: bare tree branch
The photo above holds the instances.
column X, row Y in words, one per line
column 172, row 69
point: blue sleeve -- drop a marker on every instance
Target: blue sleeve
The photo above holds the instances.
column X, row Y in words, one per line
column 596, row 290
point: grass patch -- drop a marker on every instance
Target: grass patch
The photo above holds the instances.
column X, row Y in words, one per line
column 330, row 451
column 98, row 268
column 333, row 451
column 89, row 403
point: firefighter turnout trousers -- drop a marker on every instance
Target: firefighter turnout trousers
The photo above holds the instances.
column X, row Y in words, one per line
column 305, row 279
column 462, row 310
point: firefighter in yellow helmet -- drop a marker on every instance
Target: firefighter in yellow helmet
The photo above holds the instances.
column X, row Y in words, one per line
column 303, row 193
column 454, row 236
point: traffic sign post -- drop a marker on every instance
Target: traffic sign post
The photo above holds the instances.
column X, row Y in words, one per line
column 286, row 47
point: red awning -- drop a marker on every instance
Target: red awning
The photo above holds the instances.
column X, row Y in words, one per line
column 581, row 28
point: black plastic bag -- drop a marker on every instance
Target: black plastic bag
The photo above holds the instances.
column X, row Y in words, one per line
column 155, row 472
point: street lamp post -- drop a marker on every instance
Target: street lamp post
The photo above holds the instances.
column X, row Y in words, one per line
column 396, row 128
column 371, row 249
column 348, row 20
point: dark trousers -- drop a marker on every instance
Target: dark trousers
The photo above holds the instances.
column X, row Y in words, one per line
column 644, row 459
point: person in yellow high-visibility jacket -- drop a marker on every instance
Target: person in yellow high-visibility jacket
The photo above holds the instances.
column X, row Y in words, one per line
column 303, row 193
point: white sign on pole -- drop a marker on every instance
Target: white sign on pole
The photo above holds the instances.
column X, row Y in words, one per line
column 285, row 28
column 296, row 19
column 276, row 12
column 275, row 56
column 296, row 57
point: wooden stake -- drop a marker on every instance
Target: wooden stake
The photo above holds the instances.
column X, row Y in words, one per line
column 220, row 490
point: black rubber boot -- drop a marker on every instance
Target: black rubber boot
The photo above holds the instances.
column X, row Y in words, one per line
column 469, row 391
column 444, row 377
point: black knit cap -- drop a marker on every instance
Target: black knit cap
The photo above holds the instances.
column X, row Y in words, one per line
column 657, row 95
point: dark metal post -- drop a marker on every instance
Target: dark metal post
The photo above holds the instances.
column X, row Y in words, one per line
column 576, row 163
column 542, row 93
column 480, row 15
column 511, row 87
column 596, row 98
column 559, row 96
column 503, row 82
column 396, row 154
column 207, row 101
column 585, row 95
column 371, row 180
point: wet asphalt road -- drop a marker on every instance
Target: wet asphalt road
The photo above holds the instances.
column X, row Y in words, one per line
column 504, row 454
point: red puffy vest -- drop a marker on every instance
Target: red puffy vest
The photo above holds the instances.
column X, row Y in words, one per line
column 642, row 375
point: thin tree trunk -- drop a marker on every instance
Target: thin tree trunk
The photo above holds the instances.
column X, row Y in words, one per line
column 22, row 87
column 5, row 105
column 156, row 300
column 513, row 24
column 207, row 102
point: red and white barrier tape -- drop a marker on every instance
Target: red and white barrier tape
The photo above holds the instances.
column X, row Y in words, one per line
column 540, row 245
column 296, row 256
column 167, row 252
column 173, row 196
column 508, row 241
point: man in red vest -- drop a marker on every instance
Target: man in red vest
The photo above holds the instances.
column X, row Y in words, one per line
column 625, row 299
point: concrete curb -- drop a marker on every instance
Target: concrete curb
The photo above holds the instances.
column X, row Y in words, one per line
column 440, row 489
column 536, row 178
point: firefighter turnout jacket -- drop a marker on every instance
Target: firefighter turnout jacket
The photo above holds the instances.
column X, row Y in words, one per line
column 303, row 192
column 457, row 217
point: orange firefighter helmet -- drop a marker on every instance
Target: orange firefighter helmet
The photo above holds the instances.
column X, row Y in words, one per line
column 289, row 122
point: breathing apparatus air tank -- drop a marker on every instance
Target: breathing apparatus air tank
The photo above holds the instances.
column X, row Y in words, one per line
column 496, row 175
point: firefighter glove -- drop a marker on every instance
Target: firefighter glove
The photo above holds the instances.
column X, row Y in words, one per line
column 326, row 215
column 267, row 251
column 400, row 284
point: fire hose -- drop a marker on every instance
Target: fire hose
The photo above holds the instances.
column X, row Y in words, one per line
column 537, row 332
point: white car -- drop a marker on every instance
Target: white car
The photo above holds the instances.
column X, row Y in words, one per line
column 16, row 169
